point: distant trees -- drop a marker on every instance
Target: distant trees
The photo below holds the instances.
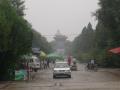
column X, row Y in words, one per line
column 84, row 43
column 96, row 43
column 40, row 42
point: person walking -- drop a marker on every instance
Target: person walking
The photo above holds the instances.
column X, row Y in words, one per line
column 69, row 60
column 48, row 62
column 92, row 62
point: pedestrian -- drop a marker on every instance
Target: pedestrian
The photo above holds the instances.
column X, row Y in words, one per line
column 48, row 63
column 92, row 62
column 88, row 65
column 69, row 60
column 45, row 64
column 40, row 64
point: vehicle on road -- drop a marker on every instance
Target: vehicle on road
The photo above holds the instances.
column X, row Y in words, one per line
column 74, row 65
column 34, row 63
column 61, row 69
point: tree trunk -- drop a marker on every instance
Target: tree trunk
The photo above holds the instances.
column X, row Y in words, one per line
column 6, row 67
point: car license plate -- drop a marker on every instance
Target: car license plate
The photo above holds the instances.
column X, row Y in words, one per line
column 61, row 70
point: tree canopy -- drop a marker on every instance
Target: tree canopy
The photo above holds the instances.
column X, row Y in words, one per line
column 84, row 42
column 40, row 41
column 19, row 6
column 15, row 38
column 97, row 43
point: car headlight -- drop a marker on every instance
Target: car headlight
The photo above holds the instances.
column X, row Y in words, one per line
column 55, row 71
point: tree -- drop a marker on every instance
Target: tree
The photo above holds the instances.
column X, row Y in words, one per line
column 84, row 42
column 40, row 42
column 107, row 32
column 109, row 16
column 15, row 39
column 19, row 6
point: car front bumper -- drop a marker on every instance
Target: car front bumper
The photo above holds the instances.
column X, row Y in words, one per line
column 62, row 73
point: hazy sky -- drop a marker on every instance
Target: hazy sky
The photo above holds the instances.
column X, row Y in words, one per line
column 69, row 16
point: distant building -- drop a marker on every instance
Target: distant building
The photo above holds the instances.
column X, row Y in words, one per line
column 59, row 42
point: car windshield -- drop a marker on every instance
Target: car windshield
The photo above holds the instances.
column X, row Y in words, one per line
column 61, row 65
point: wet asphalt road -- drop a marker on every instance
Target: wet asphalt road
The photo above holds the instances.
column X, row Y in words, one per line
column 103, row 79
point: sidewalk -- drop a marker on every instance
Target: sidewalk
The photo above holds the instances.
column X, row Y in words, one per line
column 114, row 71
column 4, row 84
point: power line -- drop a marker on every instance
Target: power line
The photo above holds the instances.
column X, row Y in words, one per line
column 68, row 35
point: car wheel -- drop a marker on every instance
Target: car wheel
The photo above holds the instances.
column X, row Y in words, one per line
column 69, row 76
column 54, row 76
column 35, row 70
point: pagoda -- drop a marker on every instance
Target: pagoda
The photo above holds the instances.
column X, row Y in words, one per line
column 60, row 41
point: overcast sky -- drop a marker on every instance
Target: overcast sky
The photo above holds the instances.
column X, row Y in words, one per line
column 69, row 16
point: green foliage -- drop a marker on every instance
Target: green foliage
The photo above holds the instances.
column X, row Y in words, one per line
column 106, row 36
column 84, row 42
column 109, row 13
column 109, row 16
column 107, row 31
column 6, row 22
column 40, row 42
column 15, row 38
column 19, row 6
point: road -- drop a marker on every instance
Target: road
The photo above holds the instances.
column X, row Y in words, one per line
column 103, row 79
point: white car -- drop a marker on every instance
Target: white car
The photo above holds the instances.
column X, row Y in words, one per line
column 61, row 69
